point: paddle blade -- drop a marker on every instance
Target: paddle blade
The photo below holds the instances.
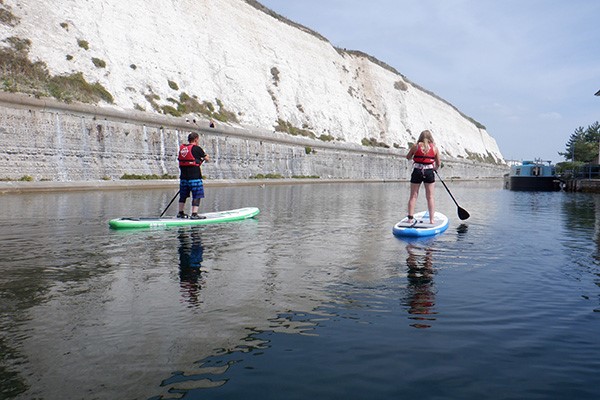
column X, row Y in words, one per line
column 463, row 214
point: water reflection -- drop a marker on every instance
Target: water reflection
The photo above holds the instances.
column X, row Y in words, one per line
column 462, row 230
column 582, row 221
column 77, row 299
column 238, row 365
column 190, row 262
column 420, row 298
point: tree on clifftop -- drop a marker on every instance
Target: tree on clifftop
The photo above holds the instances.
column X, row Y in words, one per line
column 583, row 145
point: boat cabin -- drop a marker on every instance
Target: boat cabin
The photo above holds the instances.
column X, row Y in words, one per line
column 532, row 168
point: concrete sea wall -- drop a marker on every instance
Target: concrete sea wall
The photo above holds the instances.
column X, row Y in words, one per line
column 52, row 141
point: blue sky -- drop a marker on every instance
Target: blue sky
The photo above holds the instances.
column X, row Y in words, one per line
column 526, row 69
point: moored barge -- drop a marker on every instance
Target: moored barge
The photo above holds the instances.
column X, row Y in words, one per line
column 532, row 176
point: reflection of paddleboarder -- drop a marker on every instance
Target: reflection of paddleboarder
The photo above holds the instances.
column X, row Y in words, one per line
column 190, row 259
column 421, row 293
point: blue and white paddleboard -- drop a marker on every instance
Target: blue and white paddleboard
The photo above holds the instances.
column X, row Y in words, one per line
column 421, row 226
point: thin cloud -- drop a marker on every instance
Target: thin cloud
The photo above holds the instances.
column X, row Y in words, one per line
column 551, row 116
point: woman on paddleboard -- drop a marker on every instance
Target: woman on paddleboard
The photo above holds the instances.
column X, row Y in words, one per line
column 190, row 157
column 426, row 159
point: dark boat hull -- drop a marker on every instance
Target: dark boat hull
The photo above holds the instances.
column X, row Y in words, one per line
column 532, row 183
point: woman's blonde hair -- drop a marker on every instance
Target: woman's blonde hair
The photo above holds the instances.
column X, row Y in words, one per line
column 426, row 137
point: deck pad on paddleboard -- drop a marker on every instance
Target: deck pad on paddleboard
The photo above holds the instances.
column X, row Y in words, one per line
column 211, row 218
column 421, row 226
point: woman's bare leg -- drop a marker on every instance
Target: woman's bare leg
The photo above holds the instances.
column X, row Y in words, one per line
column 412, row 201
column 429, row 191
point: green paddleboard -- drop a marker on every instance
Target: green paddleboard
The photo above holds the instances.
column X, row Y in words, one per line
column 211, row 218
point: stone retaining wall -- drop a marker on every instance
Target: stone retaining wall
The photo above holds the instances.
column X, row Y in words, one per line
column 582, row 185
column 52, row 141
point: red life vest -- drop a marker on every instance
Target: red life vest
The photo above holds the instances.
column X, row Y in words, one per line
column 186, row 158
column 421, row 157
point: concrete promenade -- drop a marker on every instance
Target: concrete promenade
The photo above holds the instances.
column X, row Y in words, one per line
column 134, row 184
column 53, row 186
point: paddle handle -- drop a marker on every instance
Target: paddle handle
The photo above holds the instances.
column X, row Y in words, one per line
column 448, row 190
column 462, row 213
column 169, row 205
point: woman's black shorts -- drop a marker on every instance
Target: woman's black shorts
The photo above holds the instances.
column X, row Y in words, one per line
column 422, row 175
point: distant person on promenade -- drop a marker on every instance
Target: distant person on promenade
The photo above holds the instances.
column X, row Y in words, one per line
column 211, row 124
column 426, row 159
column 190, row 157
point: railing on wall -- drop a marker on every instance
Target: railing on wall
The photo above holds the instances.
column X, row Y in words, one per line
column 589, row 171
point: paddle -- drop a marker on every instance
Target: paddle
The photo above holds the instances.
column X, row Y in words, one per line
column 462, row 213
column 171, row 202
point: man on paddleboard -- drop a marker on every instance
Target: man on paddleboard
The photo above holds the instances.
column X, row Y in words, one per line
column 190, row 157
column 426, row 159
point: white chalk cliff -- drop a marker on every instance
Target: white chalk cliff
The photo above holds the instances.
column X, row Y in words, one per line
column 232, row 53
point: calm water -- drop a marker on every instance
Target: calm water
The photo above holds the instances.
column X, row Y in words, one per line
column 315, row 298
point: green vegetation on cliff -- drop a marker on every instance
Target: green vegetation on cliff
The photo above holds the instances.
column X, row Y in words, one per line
column 19, row 74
